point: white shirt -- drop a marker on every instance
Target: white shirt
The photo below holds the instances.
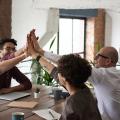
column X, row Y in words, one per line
column 106, row 83
column 51, row 56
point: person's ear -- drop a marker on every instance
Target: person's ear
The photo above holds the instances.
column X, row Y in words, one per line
column 108, row 61
column 61, row 79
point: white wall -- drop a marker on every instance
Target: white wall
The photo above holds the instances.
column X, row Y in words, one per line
column 112, row 32
column 26, row 17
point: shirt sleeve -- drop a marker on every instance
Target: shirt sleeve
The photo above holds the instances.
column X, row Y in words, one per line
column 51, row 56
column 54, row 73
column 97, row 75
column 21, row 78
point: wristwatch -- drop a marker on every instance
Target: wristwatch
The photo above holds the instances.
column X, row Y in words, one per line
column 38, row 58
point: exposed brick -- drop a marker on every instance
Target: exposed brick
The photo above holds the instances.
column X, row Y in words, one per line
column 5, row 18
column 95, row 34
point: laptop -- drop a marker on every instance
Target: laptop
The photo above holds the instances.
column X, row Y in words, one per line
column 13, row 95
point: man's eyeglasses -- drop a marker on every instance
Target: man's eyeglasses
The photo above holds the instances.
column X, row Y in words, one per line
column 10, row 48
column 100, row 55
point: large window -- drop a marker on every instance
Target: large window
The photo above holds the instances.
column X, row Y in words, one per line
column 71, row 36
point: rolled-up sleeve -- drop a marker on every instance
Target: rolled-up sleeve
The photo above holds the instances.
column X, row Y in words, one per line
column 52, row 57
column 54, row 73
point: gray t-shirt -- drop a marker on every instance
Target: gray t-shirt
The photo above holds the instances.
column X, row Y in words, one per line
column 81, row 106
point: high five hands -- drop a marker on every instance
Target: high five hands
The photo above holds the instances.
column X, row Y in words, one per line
column 33, row 45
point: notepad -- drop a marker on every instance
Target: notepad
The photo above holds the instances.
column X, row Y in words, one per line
column 23, row 104
column 14, row 95
column 45, row 113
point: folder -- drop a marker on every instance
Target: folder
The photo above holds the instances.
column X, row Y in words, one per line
column 23, row 104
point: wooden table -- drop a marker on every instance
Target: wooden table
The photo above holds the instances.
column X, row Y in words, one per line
column 45, row 101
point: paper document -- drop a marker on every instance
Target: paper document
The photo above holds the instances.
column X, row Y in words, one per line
column 23, row 104
column 48, row 114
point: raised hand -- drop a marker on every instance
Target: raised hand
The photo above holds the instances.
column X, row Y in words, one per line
column 36, row 45
column 30, row 47
column 34, row 40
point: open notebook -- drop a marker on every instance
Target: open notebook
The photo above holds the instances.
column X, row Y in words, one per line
column 14, row 95
column 48, row 114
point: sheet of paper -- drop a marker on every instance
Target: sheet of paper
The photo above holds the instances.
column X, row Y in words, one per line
column 23, row 104
column 45, row 113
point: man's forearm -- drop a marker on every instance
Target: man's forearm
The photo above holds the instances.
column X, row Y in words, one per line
column 19, row 52
column 52, row 57
column 8, row 64
column 12, row 89
column 46, row 64
column 18, row 88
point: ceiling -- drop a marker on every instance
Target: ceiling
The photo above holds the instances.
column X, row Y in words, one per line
column 113, row 5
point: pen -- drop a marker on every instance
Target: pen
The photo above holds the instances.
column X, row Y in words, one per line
column 51, row 114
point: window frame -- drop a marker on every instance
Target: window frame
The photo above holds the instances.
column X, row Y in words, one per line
column 81, row 18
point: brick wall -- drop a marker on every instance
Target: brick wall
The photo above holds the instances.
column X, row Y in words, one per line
column 95, row 34
column 5, row 18
column 99, row 31
column 90, row 37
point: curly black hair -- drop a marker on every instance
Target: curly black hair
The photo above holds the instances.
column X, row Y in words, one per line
column 75, row 69
column 5, row 40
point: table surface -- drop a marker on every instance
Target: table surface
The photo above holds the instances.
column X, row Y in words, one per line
column 44, row 101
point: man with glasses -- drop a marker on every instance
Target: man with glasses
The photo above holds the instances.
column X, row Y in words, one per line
column 8, row 48
column 106, row 81
column 106, row 57
column 8, row 52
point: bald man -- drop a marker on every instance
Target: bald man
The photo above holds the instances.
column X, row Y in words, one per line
column 106, row 81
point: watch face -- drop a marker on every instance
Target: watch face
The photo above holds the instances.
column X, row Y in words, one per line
column 38, row 58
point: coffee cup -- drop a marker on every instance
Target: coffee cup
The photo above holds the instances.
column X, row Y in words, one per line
column 57, row 93
column 18, row 116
